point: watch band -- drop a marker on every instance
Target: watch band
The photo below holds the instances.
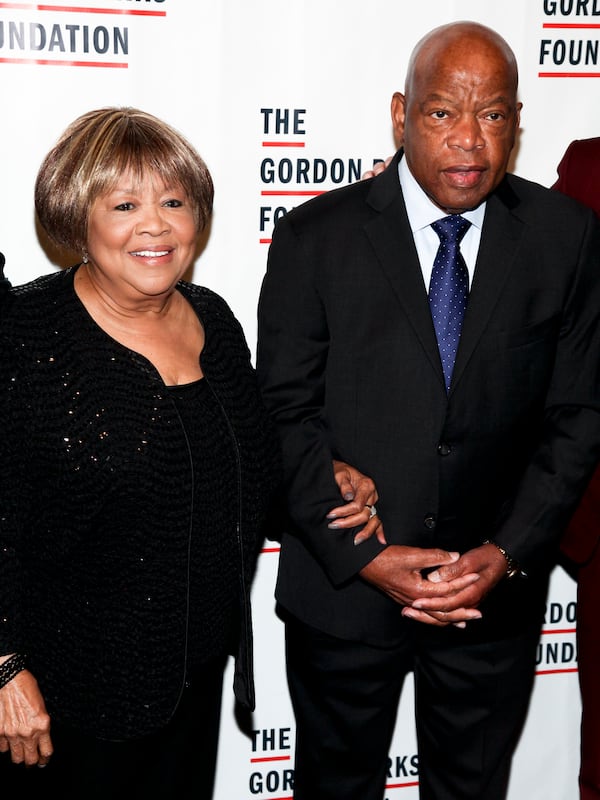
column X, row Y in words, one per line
column 512, row 566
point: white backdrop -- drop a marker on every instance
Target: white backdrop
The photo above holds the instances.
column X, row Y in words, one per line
column 284, row 100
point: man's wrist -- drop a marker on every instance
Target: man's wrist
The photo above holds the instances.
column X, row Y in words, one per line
column 512, row 566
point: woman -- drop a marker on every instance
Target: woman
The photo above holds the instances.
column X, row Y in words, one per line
column 137, row 467
column 579, row 177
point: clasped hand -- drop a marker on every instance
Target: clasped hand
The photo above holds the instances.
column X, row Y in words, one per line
column 434, row 586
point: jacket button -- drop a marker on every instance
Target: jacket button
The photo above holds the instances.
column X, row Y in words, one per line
column 444, row 449
column 430, row 522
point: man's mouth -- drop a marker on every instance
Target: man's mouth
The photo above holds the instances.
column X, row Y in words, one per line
column 464, row 177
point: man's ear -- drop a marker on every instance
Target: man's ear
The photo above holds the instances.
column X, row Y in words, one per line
column 398, row 117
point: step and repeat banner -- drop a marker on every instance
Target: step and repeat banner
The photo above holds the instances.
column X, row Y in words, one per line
column 285, row 101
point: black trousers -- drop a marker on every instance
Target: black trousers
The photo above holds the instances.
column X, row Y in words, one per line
column 471, row 699
column 176, row 763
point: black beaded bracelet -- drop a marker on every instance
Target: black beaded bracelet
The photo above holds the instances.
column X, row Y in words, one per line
column 11, row 667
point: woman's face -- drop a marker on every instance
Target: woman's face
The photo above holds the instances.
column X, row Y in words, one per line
column 141, row 237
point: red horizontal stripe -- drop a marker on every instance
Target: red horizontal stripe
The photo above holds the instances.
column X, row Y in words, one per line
column 287, row 797
column 297, row 193
column 556, row 671
column 581, row 25
column 77, row 10
column 47, row 62
column 568, row 74
column 401, row 785
column 283, row 144
column 270, row 758
column 558, row 630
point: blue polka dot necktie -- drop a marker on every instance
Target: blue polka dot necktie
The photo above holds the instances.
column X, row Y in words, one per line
column 449, row 289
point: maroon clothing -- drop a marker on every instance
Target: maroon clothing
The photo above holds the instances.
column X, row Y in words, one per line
column 579, row 177
column 579, row 172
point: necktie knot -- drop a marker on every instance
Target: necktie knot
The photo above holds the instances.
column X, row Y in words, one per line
column 451, row 228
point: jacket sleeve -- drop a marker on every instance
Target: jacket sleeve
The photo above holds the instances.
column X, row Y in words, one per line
column 583, row 532
column 293, row 341
column 569, row 446
column 13, row 446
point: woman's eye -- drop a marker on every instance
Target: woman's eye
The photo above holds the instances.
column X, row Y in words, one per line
column 174, row 203
column 124, row 207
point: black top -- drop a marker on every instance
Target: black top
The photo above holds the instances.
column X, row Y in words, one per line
column 213, row 541
column 100, row 476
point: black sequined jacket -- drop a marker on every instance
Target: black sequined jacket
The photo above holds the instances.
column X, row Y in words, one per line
column 95, row 507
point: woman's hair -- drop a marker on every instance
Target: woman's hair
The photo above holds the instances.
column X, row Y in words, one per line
column 95, row 151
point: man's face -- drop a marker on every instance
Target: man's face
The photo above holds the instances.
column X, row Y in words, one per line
column 457, row 122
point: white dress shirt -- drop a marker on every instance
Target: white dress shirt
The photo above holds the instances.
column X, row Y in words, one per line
column 422, row 212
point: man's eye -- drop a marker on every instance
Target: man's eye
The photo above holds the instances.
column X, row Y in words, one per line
column 439, row 114
column 495, row 116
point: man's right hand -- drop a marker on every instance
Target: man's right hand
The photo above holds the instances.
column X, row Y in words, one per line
column 397, row 571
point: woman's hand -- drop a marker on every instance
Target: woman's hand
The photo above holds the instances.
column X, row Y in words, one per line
column 24, row 722
column 377, row 169
column 360, row 494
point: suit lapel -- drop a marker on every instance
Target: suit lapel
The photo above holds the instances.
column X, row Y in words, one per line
column 392, row 241
column 496, row 260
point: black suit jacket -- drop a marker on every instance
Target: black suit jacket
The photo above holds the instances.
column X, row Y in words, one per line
column 349, row 367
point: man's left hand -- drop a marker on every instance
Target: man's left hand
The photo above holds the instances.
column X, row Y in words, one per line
column 486, row 561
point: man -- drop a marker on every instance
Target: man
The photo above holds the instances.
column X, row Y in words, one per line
column 579, row 177
column 478, row 458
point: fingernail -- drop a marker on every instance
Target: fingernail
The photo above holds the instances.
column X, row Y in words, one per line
column 334, row 525
column 460, row 624
column 331, row 515
column 358, row 539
